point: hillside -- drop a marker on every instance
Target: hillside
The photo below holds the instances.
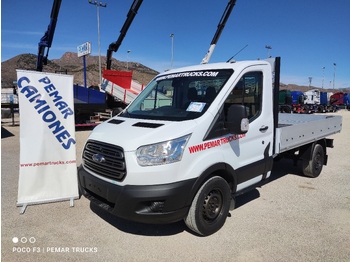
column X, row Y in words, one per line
column 74, row 66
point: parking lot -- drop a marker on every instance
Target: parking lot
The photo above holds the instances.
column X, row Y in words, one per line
column 289, row 218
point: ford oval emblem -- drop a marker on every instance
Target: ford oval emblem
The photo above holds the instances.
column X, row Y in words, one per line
column 98, row 158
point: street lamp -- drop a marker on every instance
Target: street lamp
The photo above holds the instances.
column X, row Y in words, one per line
column 172, row 50
column 98, row 33
column 310, row 80
column 334, row 74
column 268, row 47
column 127, row 60
column 323, row 68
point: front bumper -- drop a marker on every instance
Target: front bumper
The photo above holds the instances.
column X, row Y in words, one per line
column 154, row 204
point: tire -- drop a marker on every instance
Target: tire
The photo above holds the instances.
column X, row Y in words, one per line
column 210, row 207
column 287, row 109
column 313, row 167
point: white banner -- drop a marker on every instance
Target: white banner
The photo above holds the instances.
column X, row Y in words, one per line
column 47, row 169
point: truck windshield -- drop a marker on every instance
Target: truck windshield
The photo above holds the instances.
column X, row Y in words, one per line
column 178, row 96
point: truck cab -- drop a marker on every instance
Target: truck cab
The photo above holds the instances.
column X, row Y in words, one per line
column 312, row 97
column 187, row 127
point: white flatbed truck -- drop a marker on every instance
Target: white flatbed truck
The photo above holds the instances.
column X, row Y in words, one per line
column 195, row 138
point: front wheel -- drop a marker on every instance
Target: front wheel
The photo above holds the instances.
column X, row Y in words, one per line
column 210, row 207
column 313, row 167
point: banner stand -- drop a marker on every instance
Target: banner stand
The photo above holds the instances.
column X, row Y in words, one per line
column 23, row 209
column 24, row 206
column 47, row 168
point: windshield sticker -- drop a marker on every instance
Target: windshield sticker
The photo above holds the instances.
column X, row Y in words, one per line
column 214, row 143
column 190, row 74
column 196, row 107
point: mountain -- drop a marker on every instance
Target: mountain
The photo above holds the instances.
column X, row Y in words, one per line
column 71, row 64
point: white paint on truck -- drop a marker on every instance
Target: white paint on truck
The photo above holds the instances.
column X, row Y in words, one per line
column 192, row 140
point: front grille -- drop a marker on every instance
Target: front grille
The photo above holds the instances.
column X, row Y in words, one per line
column 105, row 160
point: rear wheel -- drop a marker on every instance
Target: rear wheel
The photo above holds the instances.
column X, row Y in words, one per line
column 313, row 167
column 210, row 207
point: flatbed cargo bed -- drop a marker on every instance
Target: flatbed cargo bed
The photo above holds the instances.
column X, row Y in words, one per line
column 295, row 130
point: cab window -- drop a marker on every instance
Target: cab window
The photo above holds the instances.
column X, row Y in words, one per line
column 248, row 92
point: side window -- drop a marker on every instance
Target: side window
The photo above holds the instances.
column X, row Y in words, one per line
column 248, row 91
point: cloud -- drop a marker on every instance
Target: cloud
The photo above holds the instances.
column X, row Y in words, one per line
column 18, row 46
column 22, row 32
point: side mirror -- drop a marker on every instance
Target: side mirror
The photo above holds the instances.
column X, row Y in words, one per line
column 237, row 120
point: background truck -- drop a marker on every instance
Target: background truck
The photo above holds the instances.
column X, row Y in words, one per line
column 298, row 102
column 194, row 139
column 118, row 88
column 318, row 101
column 285, row 101
column 340, row 99
column 90, row 107
column 293, row 102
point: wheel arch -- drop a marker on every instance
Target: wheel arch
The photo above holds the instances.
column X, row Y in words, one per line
column 306, row 150
column 219, row 169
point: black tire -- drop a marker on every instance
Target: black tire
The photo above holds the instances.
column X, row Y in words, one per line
column 210, row 207
column 287, row 109
column 313, row 167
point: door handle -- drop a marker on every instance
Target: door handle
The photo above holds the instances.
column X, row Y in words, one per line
column 263, row 128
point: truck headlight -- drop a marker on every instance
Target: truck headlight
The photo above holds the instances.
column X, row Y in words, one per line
column 162, row 153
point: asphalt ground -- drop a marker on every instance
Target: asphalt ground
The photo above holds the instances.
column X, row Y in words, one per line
column 290, row 218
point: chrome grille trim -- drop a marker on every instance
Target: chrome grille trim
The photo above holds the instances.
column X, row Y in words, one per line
column 113, row 166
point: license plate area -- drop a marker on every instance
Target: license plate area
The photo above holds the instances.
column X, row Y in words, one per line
column 96, row 188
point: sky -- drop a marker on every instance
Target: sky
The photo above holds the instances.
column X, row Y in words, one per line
column 311, row 37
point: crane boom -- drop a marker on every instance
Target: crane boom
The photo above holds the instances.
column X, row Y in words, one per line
column 218, row 32
column 46, row 40
column 113, row 47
